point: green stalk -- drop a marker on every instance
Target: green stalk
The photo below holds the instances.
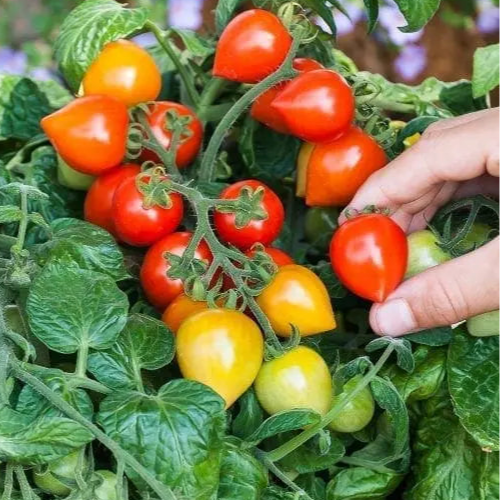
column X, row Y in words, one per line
column 286, row 448
column 81, row 360
column 23, row 223
column 284, row 72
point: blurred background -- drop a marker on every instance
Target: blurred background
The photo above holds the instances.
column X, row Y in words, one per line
column 443, row 49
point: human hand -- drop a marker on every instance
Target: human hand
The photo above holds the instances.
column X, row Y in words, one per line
column 454, row 158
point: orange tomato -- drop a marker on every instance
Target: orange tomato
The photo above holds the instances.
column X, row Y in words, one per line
column 181, row 308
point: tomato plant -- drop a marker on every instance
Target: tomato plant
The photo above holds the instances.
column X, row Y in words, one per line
column 319, row 226
column 141, row 221
column 423, row 252
column 222, row 349
column 158, row 286
column 89, row 133
column 125, row 71
column 263, row 229
column 251, row 47
column 369, row 253
column 331, row 173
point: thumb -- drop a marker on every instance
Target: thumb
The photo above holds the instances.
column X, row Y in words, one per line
column 443, row 295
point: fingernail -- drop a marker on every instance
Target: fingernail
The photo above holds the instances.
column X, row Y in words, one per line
column 394, row 318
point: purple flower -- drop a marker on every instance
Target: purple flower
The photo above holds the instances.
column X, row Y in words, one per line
column 391, row 19
column 12, row 61
column 488, row 17
column 145, row 39
column 185, row 14
column 411, row 61
column 42, row 74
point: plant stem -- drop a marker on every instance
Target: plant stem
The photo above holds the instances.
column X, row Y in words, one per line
column 286, row 448
column 17, row 158
column 209, row 94
column 23, row 223
column 8, row 482
column 284, row 72
column 161, row 36
column 163, row 492
column 379, row 101
column 81, row 360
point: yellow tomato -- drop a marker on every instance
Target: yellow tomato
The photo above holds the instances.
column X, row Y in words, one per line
column 180, row 309
column 302, row 161
column 220, row 348
column 125, row 71
column 298, row 379
column 297, row 296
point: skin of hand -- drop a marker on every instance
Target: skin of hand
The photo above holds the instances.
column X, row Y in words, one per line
column 455, row 157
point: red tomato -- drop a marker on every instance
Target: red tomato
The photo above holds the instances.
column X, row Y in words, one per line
column 261, row 108
column 337, row 169
column 138, row 225
column 252, row 46
column 125, row 71
column 278, row 256
column 159, row 288
column 263, row 231
column 89, row 133
column 316, row 106
column 369, row 254
column 189, row 145
column 99, row 199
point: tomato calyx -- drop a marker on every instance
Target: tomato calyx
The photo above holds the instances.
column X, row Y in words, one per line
column 351, row 213
column 272, row 352
column 155, row 188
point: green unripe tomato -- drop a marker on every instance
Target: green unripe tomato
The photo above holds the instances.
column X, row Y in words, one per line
column 423, row 252
column 484, row 325
column 72, row 179
column 107, row 489
column 478, row 235
column 358, row 412
column 319, row 226
column 64, row 467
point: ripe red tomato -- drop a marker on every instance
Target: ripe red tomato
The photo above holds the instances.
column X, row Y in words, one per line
column 125, row 71
column 336, row 170
column 90, row 133
column 252, row 46
column 261, row 108
column 189, row 145
column 99, row 199
column 138, row 225
column 316, row 106
column 278, row 256
column 159, row 288
column 369, row 254
column 263, row 231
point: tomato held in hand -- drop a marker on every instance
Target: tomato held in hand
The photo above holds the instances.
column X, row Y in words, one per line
column 298, row 379
column 180, row 309
column 369, row 254
column 138, row 224
column 297, row 296
column 99, row 200
column 316, row 106
column 334, row 171
column 423, row 252
column 220, row 348
column 190, row 141
column 125, row 71
column 263, row 231
column 261, row 108
column 252, row 46
column 90, row 133
column 160, row 289
column 278, row 256
column 358, row 412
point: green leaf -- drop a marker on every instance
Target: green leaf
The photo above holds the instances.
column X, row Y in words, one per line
column 459, row 99
column 38, row 441
column 402, row 348
column 277, row 493
column 417, row 13
column 249, row 417
column 57, row 95
column 473, row 384
column 224, row 12
column 360, row 483
column 485, row 70
column 144, row 344
column 195, row 44
column 372, row 11
column 79, row 243
column 69, row 308
column 446, row 462
column 439, row 336
column 325, row 272
column 284, row 421
column 10, row 213
column 87, row 29
column 314, row 486
column 425, row 380
column 324, row 11
column 242, row 477
column 22, row 106
column 177, row 434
